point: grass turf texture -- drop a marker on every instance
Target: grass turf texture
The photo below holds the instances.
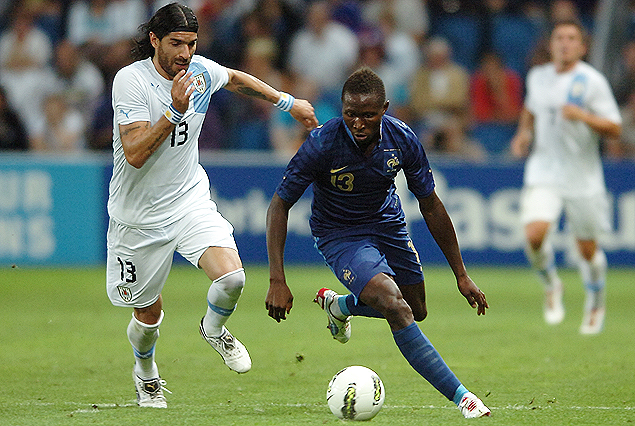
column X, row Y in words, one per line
column 65, row 358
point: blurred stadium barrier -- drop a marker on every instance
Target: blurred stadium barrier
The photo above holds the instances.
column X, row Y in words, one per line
column 53, row 210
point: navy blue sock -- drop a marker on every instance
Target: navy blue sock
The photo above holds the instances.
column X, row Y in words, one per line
column 350, row 305
column 425, row 359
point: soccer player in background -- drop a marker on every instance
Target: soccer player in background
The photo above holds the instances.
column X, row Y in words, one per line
column 159, row 198
column 568, row 107
column 359, row 228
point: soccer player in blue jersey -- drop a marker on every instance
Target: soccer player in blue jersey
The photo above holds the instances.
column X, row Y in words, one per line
column 359, row 228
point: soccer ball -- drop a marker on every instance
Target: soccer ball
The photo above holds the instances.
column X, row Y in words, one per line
column 355, row 393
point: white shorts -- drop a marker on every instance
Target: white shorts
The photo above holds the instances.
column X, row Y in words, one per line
column 139, row 260
column 587, row 217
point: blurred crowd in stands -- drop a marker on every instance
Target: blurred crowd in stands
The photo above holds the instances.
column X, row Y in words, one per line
column 454, row 69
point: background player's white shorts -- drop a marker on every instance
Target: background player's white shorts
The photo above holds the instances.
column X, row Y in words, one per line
column 139, row 260
column 587, row 217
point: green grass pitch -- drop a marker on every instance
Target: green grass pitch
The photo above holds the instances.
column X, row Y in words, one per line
column 65, row 358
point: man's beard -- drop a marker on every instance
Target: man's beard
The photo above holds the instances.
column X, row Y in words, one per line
column 167, row 66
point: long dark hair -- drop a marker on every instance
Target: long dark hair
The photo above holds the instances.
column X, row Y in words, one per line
column 170, row 18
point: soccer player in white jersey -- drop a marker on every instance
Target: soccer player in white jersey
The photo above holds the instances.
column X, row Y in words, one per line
column 568, row 108
column 159, row 198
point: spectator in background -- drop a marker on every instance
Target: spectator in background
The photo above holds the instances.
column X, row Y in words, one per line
column 221, row 29
column 96, row 25
column 13, row 135
column 402, row 51
column 624, row 82
column 347, row 13
column 401, row 60
column 23, row 46
column 24, row 71
column 323, row 52
column 496, row 102
column 49, row 17
column 540, row 54
column 373, row 53
column 439, row 103
column 91, row 22
column 5, row 8
column 624, row 146
column 495, row 92
column 563, row 10
column 536, row 12
column 487, row 14
column 99, row 128
column 275, row 131
column 60, row 129
column 80, row 80
column 283, row 18
column 249, row 118
column 409, row 16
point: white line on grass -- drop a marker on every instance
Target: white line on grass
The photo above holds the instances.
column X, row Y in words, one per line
column 95, row 407
column 514, row 407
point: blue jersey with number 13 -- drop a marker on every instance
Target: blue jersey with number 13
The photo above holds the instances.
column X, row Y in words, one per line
column 350, row 190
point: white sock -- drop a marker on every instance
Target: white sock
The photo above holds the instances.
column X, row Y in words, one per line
column 222, row 297
column 143, row 338
column 543, row 262
column 593, row 275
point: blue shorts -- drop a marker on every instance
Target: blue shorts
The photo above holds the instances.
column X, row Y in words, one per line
column 355, row 260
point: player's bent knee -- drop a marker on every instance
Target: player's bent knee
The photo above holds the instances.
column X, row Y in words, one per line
column 396, row 309
column 420, row 314
column 231, row 283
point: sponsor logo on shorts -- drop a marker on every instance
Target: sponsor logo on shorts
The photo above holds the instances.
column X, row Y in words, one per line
column 125, row 293
column 348, row 276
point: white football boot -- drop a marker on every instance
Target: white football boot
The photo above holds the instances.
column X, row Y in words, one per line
column 554, row 309
column 340, row 329
column 593, row 319
column 150, row 392
column 472, row 407
column 230, row 349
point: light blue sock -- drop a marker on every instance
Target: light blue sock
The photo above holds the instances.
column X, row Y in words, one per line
column 425, row 359
column 458, row 395
column 594, row 277
column 350, row 305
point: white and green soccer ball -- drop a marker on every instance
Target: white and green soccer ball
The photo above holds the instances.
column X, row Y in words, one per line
column 355, row 393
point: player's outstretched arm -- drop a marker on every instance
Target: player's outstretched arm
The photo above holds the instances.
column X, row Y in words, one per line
column 442, row 230
column 279, row 300
column 247, row 84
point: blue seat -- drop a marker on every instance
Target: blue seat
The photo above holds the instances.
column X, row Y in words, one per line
column 493, row 137
column 514, row 38
column 463, row 34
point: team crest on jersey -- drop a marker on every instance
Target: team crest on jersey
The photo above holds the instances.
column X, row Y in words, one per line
column 577, row 89
column 392, row 161
column 199, row 83
column 125, row 293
